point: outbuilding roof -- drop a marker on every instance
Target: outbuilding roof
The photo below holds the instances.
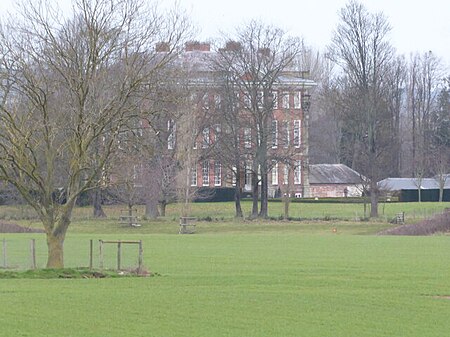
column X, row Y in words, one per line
column 333, row 174
column 397, row 184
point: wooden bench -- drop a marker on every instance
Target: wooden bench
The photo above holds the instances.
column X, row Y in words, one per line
column 187, row 225
column 400, row 218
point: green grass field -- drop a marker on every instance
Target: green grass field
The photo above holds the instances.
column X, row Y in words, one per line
column 240, row 279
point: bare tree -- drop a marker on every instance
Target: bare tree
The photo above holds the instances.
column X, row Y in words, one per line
column 360, row 47
column 253, row 60
column 326, row 119
column 395, row 95
column 69, row 87
column 425, row 77
column 440, row 142
column 228, row 123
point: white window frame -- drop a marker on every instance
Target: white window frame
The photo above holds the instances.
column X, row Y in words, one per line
column 297, row 133
column 258, row 133
column 275, row 173
column 274, row 134
column 285, row 100
column 248, row 173
column 260, row 99
column 247, row 100
column 140, row 130
column 171, row 137
column 237, row 102
column 297, row 100
column 297, row 172
column 194, row 175
column 205, row 102
column 286, row 174
column 206, row 139
column 205, row 173
column 217, row 173
column 275, row 99
column 217, row 101
column 248, row 138
column 217, row 132
column 233, row 175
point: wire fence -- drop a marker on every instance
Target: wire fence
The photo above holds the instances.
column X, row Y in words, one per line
column 410, row 214
column 23, row 253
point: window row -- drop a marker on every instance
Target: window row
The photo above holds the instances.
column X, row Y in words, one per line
column 286, row 133
column 278, row 99
column 206, row 173
column 275, row 174
column 216, row 169
column 289, row 129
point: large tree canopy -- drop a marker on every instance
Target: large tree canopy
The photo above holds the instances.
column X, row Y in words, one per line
column 69, row 87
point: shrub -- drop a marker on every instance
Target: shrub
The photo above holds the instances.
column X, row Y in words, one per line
column 438, row 224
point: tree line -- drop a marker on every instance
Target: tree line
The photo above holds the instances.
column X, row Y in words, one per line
column 386, row 115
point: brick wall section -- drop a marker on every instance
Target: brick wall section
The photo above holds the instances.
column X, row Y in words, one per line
column 329, row 191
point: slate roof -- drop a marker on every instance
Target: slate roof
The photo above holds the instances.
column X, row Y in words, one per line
column 397, row 184
column 333, row 174
column 198, row 63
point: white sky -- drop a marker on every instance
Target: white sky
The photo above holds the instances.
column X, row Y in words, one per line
column 417, row 25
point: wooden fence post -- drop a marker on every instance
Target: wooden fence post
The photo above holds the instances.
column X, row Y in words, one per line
column 101, row 253
column 33, row 253
column 119, row 253
column 140, row 257
column 91, row 253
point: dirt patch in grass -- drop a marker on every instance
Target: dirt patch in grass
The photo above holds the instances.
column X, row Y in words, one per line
column 442, row 297
column 14, row 228
column 72, row 273
column 438, row 224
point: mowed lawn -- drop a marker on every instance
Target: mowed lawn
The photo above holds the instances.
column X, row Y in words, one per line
column 250, row 284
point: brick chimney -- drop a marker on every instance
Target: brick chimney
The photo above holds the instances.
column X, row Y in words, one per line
column 162, row 47
column 197, row 46
column 233, row 46
column 264, row 52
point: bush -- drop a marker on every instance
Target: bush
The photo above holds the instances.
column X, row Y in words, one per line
column 340, row 200
column 216, row 194
column 438, row 224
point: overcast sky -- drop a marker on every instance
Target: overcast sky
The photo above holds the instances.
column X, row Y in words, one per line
column 417, row 25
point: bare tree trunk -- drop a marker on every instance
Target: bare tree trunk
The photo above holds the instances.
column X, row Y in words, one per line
column 151, row 208
column 162, row 208
column 56, row 233
column 263, row 213
column 255, row 192
column 237, row 194
column 286, row 201
column 55, row 245
column 442, row 178
column 373, row 199
column 97, row 204
column 130, row 214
